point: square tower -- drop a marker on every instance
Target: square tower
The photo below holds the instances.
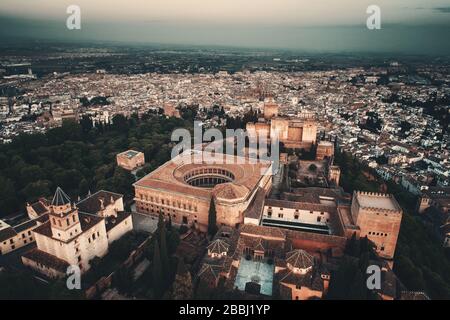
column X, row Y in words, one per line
column 379, row 217
column 64, row 218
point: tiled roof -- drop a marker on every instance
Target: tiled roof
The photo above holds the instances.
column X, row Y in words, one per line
column 218, row 246
column 300, row 259
column 93, row 203
column 47, row 260
column 170, row 177
column 112, row 222
column 87, row 221
column 414, row 295
column 30, row 223
column 262, row 231
column 310, row 280
column 40, row 207
column 60, row 198
column 10, row 232
column 209, row 272
column 299, row 205
column 7, row 233
column 254, row 210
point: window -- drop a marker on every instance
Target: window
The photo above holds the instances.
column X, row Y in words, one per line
column 280, row 215
column 296, row 216
column 59, row 223
column 79, row 258
column 73, row 218
column 68, row 221
column 11, row 240
column 29, row 233
column 23, row 235
column 93, row 236
column 319, row 219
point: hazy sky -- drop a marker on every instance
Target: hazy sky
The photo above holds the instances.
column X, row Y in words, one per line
column 322, row 25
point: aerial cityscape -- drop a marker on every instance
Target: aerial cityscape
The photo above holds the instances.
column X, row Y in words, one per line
column 186, row 169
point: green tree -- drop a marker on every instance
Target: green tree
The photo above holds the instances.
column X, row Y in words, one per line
column 163, row 251
column 123, row 280
column 182, row 286
column 212, row 218
column 157, row 272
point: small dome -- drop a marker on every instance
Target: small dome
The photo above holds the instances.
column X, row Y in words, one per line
column 230, row 191
column 299, row 259
column 218, row 246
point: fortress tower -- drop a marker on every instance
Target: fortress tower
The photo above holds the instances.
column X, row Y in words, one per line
column 270, row 109
column 334, row 174
column 378, row 216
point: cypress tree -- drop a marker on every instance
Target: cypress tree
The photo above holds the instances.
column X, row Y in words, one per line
column 212, row 218
column 163, row 252
column 160, row 221
column 182, row 286
column 157, row 271
column 169, row 223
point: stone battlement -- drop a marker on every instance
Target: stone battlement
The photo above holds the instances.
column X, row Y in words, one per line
column 376, row 201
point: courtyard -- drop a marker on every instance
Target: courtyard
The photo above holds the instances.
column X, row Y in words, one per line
column 255, row 271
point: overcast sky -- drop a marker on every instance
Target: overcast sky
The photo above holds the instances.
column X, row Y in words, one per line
column 321, row 25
